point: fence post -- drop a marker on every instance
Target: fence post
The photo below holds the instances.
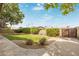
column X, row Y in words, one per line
column 60, row 32
column 78, row 32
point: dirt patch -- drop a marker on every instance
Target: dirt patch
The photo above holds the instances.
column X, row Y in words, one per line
column 22, row 44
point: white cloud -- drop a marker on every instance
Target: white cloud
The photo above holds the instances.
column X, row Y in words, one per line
column 38, row 7
column 38, row 4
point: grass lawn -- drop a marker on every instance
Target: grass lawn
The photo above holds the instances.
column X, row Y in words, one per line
column 35, row 38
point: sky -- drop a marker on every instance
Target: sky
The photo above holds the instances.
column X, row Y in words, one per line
column 36, row 15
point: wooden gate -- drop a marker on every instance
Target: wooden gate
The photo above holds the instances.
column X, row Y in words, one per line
column 70, row 32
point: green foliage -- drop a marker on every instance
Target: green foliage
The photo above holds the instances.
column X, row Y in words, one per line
column 18, row 30
column 42, row 41
column 35, row 38
column 50, row 5
column 65, row 8
column 53, row 32
column 26, row 30
column 10, row 13
column 23, row 30
column 34, row 30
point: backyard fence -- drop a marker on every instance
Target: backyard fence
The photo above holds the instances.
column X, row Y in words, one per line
column 69, row 32
column 63, row 32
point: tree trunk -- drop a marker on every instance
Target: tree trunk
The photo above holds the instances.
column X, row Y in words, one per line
column 1, row 4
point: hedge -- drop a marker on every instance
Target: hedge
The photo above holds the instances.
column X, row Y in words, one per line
column 52, row 32
column 23, row 30
column 18, row 30
column 34, row 30
column 28, row 30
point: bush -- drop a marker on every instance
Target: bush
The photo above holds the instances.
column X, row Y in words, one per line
column 18, row 31
column 53, row 32
column 42, row 41
column 29, row 42
column 34, row 30
column 23, row 30
column 26, row 30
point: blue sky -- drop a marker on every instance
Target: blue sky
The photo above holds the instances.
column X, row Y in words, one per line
column 36, row 15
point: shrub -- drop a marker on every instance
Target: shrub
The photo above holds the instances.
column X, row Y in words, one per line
column 26, row 30
column 23, row 30
column 53, row 32
column 34, row 30
column 18, row 31
column 42, row 41
column 29, row 42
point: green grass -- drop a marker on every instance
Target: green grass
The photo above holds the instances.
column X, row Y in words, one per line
column 35, row 38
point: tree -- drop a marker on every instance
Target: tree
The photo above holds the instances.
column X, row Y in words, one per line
column 65, row 8
column 10, row 13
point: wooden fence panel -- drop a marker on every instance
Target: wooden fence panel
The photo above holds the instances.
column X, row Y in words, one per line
column 70, row 32
column 65, row 32
column 73, row 32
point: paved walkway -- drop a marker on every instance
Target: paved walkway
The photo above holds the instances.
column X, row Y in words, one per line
column 61, row 47
column 64, row 48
